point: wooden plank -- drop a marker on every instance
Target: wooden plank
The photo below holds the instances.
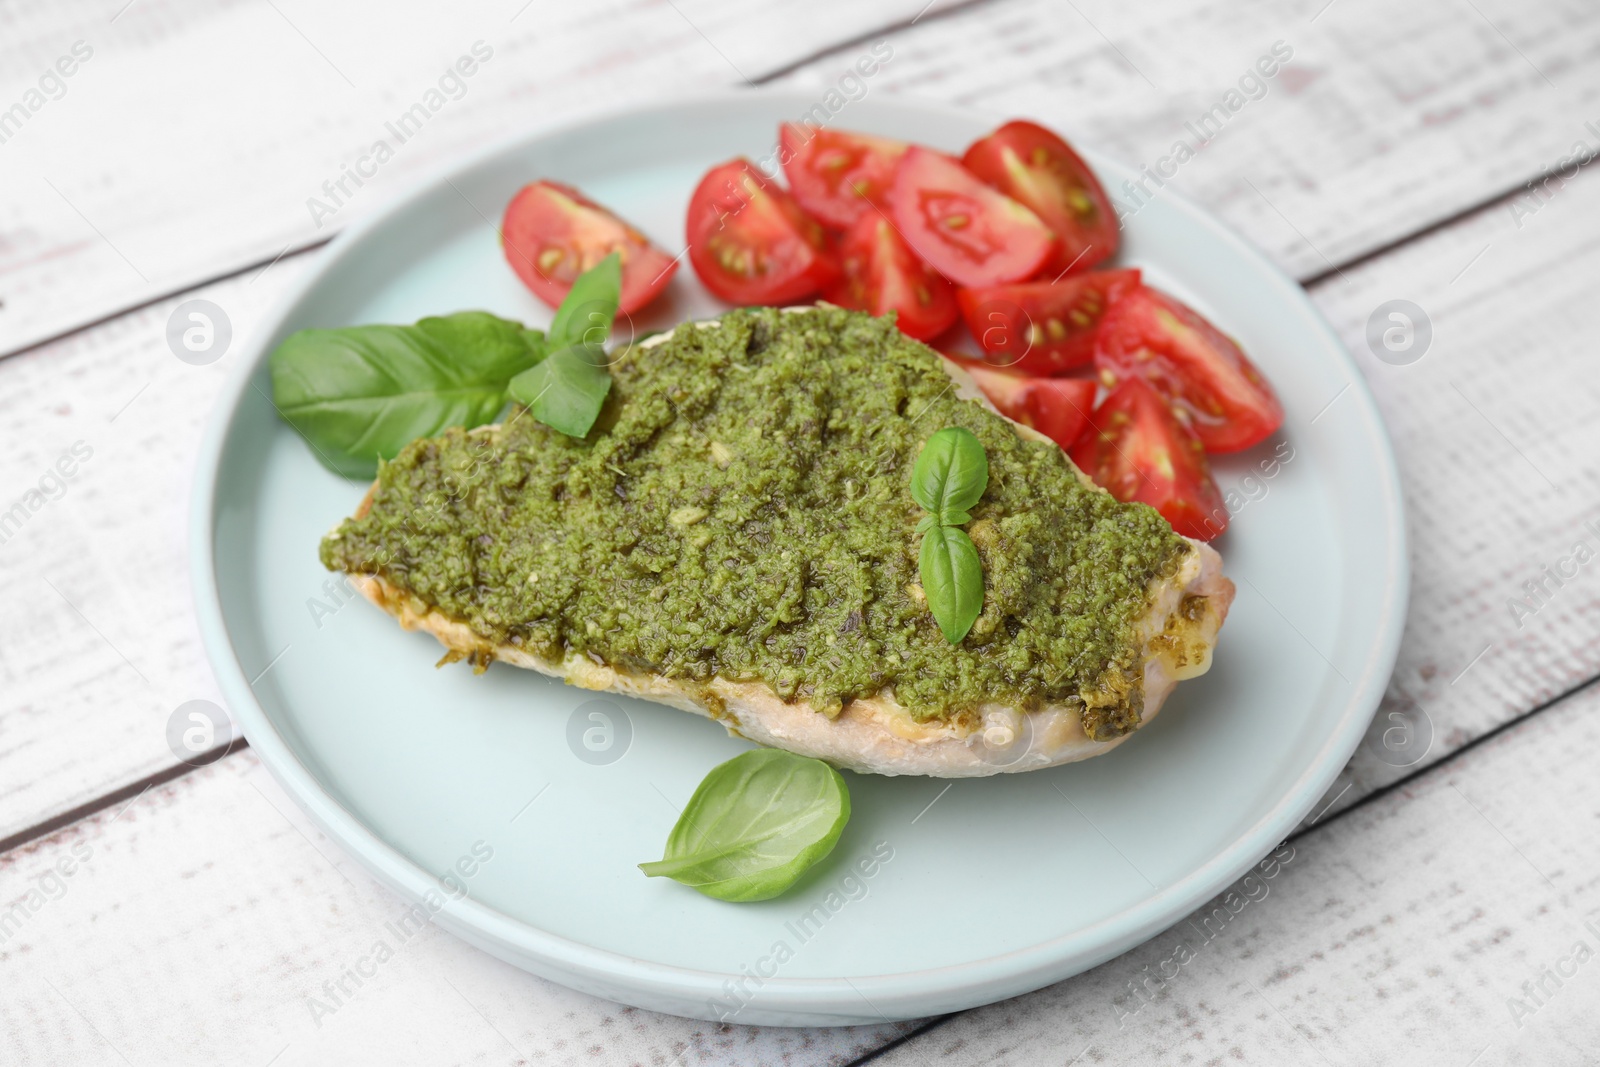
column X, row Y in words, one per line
column 125, row 184
column 1451, row 922
column 1496, row 426
column 107, row 647
column 209, row 922
column 1382, row 120
column 1509, row 334
column 1372, row 128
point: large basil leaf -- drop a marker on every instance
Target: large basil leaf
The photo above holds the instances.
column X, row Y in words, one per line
column 359, row 394
column 952, row 580
column 950, row 475
column 755, row 825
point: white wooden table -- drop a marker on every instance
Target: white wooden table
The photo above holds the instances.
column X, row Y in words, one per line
column 1442, row 912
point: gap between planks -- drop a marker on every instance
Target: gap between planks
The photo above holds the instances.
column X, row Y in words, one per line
column 930, row 14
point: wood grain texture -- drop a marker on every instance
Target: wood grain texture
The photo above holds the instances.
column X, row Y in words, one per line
column 204, row 922
column 1497, row 430
column 133, row 184
column 1401, row 933
column 1383, row 120
column 190, row 141
column 100, row 645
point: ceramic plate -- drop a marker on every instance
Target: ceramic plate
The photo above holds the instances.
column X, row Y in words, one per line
column 516, row 808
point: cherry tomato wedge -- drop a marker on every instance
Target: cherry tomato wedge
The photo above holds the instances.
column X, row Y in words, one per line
column 1029, row 163
column 1138, row 450
column 1057, row 407
column 961, row 227
column 1210, row 382
column 552, row 233
column 749, row 241
column 836, row 175
column 882, row 274
column 1043, row 328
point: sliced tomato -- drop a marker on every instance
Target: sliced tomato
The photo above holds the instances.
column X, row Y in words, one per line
column 749, row 241
column 836, row 175
column 552, row 233
column 962, row 228
column 1138, row 450
column 1029, row 163
column 881, row 274
column 1057, row 407
column 1207, row 377
column 1043, row 328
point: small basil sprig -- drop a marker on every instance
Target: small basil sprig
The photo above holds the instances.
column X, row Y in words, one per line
column 755, row 825
column 948, row 480
column 566, row 390
column 359, row 394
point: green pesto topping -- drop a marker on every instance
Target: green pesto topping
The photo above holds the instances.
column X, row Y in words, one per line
column 742, row 508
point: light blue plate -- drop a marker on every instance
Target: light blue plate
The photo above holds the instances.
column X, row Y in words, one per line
column 1002, row 885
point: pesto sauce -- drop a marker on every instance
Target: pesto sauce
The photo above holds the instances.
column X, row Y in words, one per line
column 742, row 509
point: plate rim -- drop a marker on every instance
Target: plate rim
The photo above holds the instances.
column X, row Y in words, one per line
column 784, row 1001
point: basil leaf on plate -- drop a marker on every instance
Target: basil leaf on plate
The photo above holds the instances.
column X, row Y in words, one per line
column 566, row 389
column 755, row 825
column 952, row 580
column 359, row 394
column 586, row 312
column 950, row 475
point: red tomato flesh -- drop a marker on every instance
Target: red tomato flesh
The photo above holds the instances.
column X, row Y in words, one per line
column 1029, row 163
column 837, row 175
column 749, row 241
column 1210, row 382
column 1057, row 407
column 882, row 274
column 552, row 233
column 1043, row 328
column 1138, row 450
column 962, row 228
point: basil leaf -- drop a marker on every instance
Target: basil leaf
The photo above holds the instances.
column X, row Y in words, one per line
column 566, row 389
column 586, row 312
column 359, row 394
column 952, row 580
column 755, row 825
column 950, row 475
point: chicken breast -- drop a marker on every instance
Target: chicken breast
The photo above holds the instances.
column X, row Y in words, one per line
column 1170, row 638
